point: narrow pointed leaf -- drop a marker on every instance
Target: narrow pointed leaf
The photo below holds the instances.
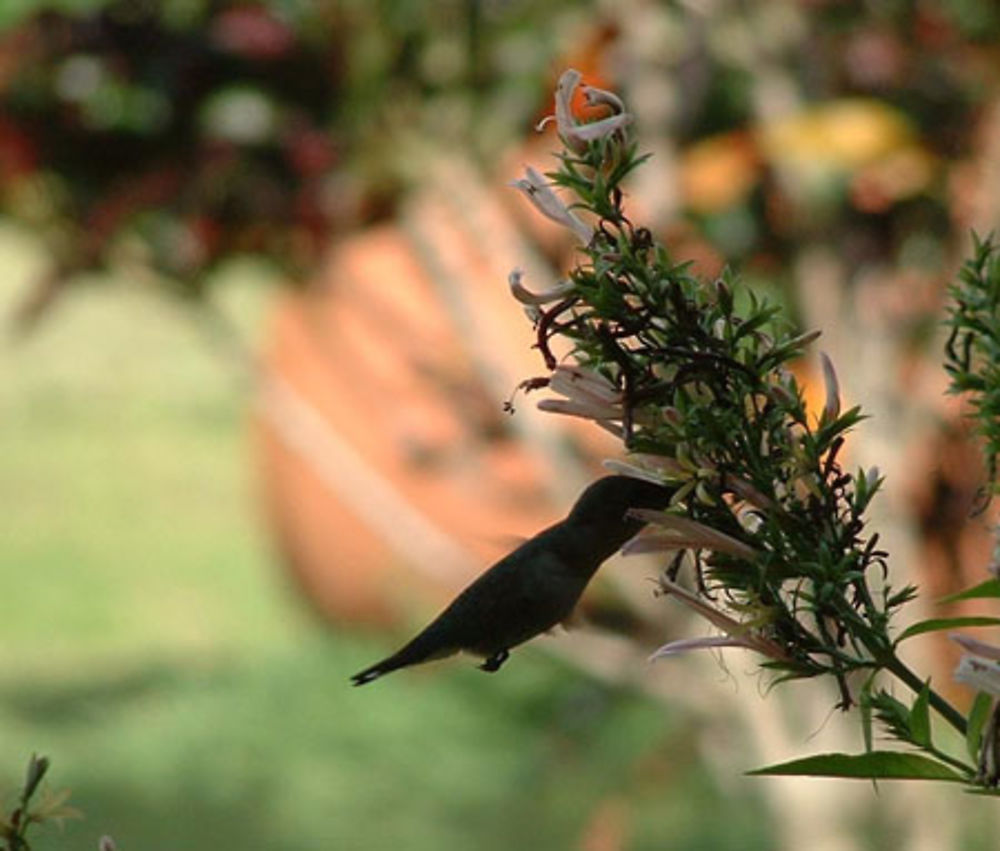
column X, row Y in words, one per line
column 866, row 724
column 938, row 624
column 886, row 765
column 989, row 588
column 978, row 714
column 920, row 717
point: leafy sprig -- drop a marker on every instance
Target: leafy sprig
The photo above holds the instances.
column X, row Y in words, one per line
column 696, row 379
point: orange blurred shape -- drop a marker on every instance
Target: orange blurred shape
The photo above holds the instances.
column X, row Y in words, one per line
column 391, row 474
column 719, row 172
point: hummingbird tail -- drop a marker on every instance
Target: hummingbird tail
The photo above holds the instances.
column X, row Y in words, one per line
column 422, row 649
column 377, row 670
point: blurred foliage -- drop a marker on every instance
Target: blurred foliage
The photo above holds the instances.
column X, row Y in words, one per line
column 176, row 134
column 186, row 698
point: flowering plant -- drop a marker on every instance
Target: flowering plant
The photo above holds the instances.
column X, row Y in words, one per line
column 693, row 376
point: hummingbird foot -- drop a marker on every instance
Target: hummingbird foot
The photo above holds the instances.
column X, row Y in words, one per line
column 494, row 662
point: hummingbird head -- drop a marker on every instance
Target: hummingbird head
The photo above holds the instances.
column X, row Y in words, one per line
column 604, row 503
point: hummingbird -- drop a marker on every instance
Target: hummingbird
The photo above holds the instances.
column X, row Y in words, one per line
column 536, row 586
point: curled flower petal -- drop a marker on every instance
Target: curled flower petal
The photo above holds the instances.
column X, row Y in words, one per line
column 831, row 408
column 601, row 97
column 541, row 195
column 525, row 296
column 695, row 535
column 599, row 129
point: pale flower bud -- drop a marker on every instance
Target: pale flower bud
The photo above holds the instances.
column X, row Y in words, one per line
column 541, row 195
column 831, row 408
column 525, row 296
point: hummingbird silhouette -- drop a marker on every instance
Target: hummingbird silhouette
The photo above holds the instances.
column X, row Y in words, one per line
column 536, row 586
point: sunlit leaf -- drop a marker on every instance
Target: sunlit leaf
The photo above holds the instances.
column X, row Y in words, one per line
column 886, row 765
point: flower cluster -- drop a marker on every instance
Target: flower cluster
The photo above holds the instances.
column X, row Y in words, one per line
column 694, row 377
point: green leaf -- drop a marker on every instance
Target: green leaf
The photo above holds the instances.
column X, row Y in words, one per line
column 866, row 713
column 978, row 714
column 920, row 717
column 937, row 624
column 989, row 588
column 888, row 765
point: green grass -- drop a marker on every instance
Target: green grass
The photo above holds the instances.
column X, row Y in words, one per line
column 152, row 649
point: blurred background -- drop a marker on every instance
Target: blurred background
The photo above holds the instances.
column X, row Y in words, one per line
column 256, row 344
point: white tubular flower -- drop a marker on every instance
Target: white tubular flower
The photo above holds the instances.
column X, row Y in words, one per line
column 975, row 646
column 542, row 197
column 982, row 674
column 980, row 666
column 677, row 533
column 736, row 633
column 573, row 133
column 577, row 408
column 525, row 296
column 575, row 382
column 676, row 648
column 831, row 408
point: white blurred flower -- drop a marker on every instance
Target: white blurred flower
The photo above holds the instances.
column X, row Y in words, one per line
column 980, row 667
